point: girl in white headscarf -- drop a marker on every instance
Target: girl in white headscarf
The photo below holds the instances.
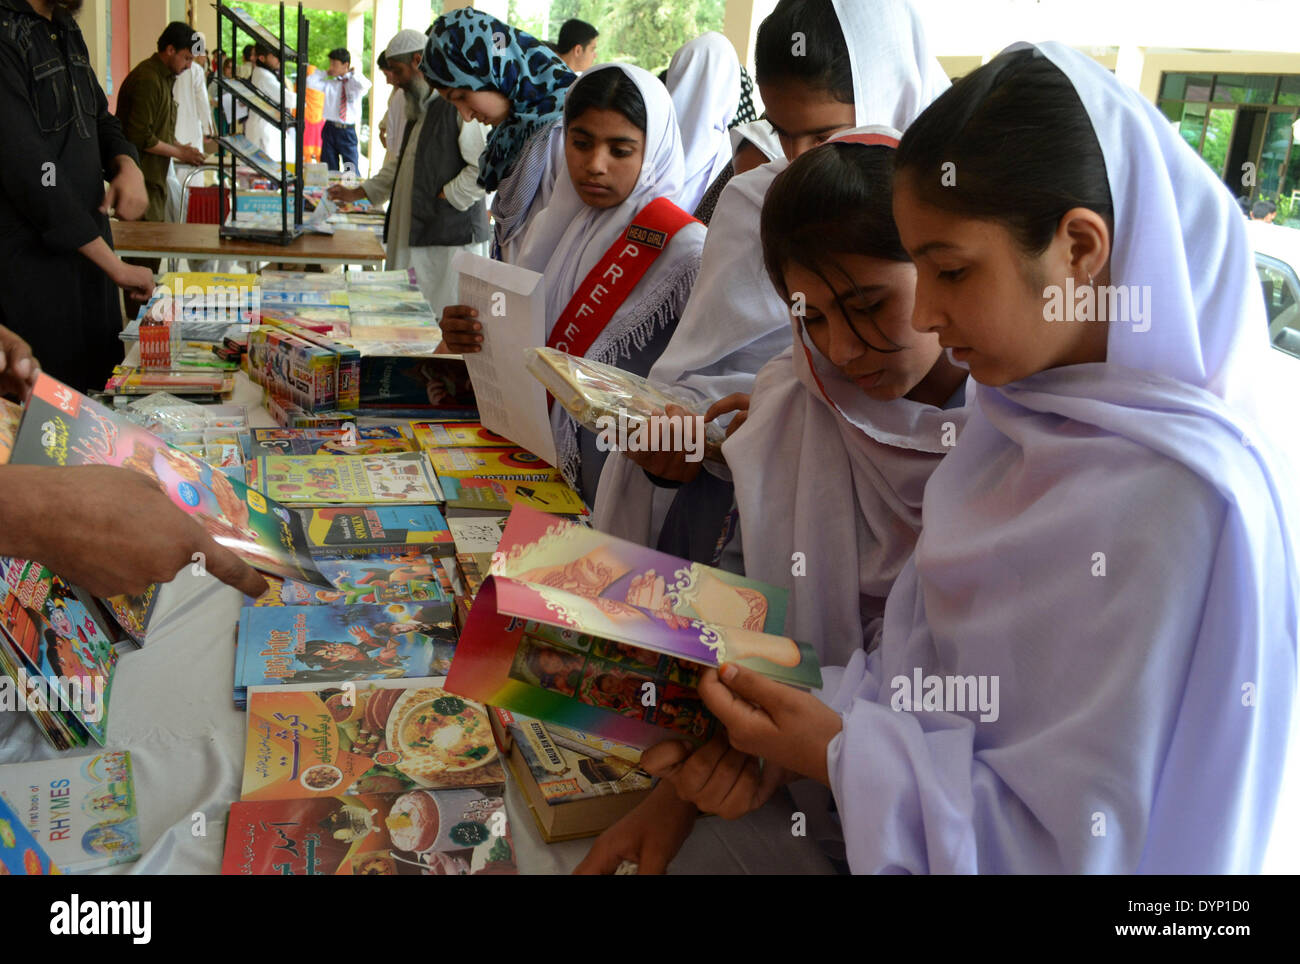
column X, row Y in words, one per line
column 704, row 81
column 1089, row 665
column 623, row 151
column 862, row 62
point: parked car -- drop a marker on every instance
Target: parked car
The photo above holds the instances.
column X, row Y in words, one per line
column 1277, row 260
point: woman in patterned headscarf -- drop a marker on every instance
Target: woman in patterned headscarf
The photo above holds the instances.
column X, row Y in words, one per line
column 511, row 80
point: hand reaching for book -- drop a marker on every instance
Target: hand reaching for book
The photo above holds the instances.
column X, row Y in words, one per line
column 109, row 530
column 650, row 835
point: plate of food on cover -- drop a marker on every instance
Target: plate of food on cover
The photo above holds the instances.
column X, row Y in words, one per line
column 439, row 736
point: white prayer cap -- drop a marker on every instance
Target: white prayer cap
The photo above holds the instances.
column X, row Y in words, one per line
column 406, row 42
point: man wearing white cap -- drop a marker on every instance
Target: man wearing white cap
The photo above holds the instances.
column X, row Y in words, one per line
column 194, row 127
column 430, row 180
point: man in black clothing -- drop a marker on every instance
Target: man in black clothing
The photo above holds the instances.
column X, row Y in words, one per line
column 58, row 271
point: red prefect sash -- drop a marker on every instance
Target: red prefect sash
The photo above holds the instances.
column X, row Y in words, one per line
column 615, row 275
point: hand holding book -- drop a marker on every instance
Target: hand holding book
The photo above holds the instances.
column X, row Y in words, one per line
column 111, row 530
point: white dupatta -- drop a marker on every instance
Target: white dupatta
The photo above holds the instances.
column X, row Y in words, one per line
column 1114, row 544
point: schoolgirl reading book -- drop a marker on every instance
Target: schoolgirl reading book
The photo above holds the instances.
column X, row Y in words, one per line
column 823, row 66
column 624, row 159
column 509, row 79
column 1112, row 539
column 845, row 427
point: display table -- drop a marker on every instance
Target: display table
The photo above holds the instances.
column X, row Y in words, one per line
column 171, row 707
column 160, row 239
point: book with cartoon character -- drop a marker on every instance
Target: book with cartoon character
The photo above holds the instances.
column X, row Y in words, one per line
column 408, row 576
column 80, row 809
column 579, row 628
column 62, row 660
column 402, row 478
column 63, row 427
column 312, row 644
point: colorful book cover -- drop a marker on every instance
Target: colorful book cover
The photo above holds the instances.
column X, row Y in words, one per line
column 59, row 641
column 578, row 628
column 404, row 477
column 450, row 435
column 332, row 446
column 409, row 576
column 80, row 809
column 570, row 765
column 360, row 531
column 360, row 432
column 313, row 644
column 63, row 427
column 376, row 736
column 318, row 318
column 485, row 463
column 20, row 853
column 502, row 495
column 451, row 832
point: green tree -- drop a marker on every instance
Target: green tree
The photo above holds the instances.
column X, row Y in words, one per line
column 642, row 32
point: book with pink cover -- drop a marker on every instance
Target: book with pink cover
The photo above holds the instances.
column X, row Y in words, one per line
column 579, row 628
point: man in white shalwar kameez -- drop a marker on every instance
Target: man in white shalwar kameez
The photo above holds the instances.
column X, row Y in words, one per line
column 413, row 197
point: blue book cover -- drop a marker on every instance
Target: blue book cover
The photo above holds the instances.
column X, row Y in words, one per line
column 319, row 644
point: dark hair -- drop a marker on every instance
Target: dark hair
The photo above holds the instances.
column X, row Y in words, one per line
column 1262, row 209
column 382, row 60
column 1009, row 142
column 609, row 89
column 835, row 199
column 341, row 55
column 575, row 33
column 178, row 35
column 248, row 51
column 802, row 40
column 265, row 50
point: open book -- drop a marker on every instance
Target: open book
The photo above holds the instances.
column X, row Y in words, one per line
column 578, row 628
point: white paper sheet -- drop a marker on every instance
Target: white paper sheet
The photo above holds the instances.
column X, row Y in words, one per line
column 511, row 304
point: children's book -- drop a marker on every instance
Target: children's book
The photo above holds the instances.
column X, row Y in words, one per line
column 579, row 628
column 60, row 646
column 21, row 855
column 332, row 446
column 401, row 478
column 312, row 644
column 451, row 435
column 502, row 495
column 599, row 396
column 476, row 541
column 451, row 832
column 577, row 785
column 486, row 463
column 409, row 576
column 80, row 809
column 360, row 531
column 376, row 736
column 64, row 427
